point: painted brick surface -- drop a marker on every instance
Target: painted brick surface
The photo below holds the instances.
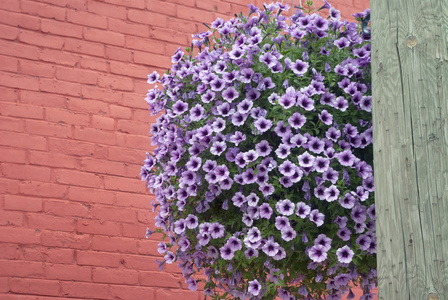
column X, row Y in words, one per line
column 73, row 133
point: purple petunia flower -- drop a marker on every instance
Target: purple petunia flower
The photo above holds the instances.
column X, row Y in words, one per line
column 317, row 253
column 344, row 254
column 359, row 214
column 226, row 252
column 254, row 287
column 288, row 234
column 263, row 148
column 216, row 230
column 285, row 207
column 344, row 233
column 250, row 253
column 262, row 124
column 230, row 94
column 281, row 222
column 306, row 159
column 331, row 193
column 342, row 43
column 299, row 67
column 317, row 217
column 270, row 248
column 303, row 210
column 265, row 211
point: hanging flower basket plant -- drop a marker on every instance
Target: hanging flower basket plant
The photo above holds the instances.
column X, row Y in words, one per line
column 262, row 168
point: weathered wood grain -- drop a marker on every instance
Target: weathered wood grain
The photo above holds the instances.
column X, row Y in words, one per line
column 410, row 112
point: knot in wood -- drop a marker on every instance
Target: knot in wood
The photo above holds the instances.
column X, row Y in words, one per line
column 411, row 41
column 433, row 296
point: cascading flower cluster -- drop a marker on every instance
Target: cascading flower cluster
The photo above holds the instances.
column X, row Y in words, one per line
column 262, row 166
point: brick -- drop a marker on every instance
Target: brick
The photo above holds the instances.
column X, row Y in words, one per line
column 11, row 5
column 85, row 290
column 93, row 63
column 66, row 209
column 152, row 60
column 194, row 14
column 162, row 7
column 126, row 155
column 48, row 128
column 132, row 127
column 65, row 239
column 120, row 112
column 147, row 17
column 22, row 203
column 19, row 50
column 125, row 215
column 106, row 95
column 134, row 100
column 115, row 82
column 61, row 28
column 124, row 184
column 140, row 262
column 158, row 279
column 169, row 36
column 11, row 124
column 52, row 159
column 21, row 268
column 132, row 292
column 134, row 170
column 108, row 10
column 91, row 195
column 20, row 110
column 114, row 244
column 9, row 95
column 59, row 57
column 83, row 47
column 116, row 25
column 133, row 200
column 4, row 285
column 45, row 221
column 168, row 294
column 119, row 53
column 9, row 186
column 102, row 166
column 51, row 255
column 59, row 87
column 35, row 188
column 26, row 172
column 9, row 251
column 43, row 10
column 8, row 32
column 74, row 4
column 68, row 272
column 66, row 116
column 20, row 140
column 98, row 227
column 39, row 39
column 19, row 235
column 78, row 178
column 134, row 230
column 128, row 3
column 86, row 19
column 145, row 216
column 95, row 258
column 180, row 25
column 19, row 81
column 101, row 122
column 87, row 105
column 11, row 218
column 71, row 147
column 12, row 155
column 119, row 276
column 214, row 6
column 103, row 36
column 76, row 75
column 101, row 151
column 143, row 115
column 34, row 286
column 190, row 3
column 36, row 68
column 95, row 135
column 128, row 70
column 19, row 20
column 145, row 44
column 8, row 63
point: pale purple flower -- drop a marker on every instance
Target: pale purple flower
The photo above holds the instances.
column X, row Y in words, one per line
column 283, row 151
column 359, row 214
column 230, row 94
column 317, row 254
column 303, row 210
column 331, row 193
column 296, row 120
column 250, row 253
column 191, row 221
column 326, row 117
column 252, row 199
column 216, row 230
column 317, row 217
column 315, row 145
column 368, row 184
column 287, row 168
column 226, row 252
column 344, row 233
column 363, row 241
column 246, row 75
column 267, row 189
column 153, row 77
column 348, row 201
column 169, row 257
column 262, row 124
column 270, row 248
column 218, row 148
column 238, row 199
column 324, row 241
column 217, row 84
column 288, row 234
column 265, row 211
column 299, row 67
column 344, row 254
column 281, row 222
column 342, row 43
column 254, row 287
column 179, row 107
column 208, row 96
column 321, row 164
column 263, row 148
column 245, row 106
column 306, row 159
column 179, row 226
column 285, row 207
column 203, row 238
column 234, row 243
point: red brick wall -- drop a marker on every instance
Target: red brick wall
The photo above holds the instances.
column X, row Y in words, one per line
column 73, row 134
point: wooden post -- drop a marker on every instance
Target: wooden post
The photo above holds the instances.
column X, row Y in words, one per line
column 410, row 122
